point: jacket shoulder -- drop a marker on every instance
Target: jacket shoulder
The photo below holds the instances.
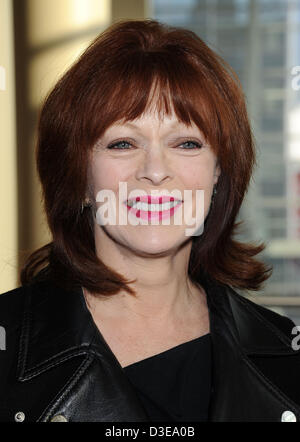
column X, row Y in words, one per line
column 264, row 314
column 11, row 303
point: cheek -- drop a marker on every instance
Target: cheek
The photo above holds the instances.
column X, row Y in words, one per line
column 107, row 175
column 199, row 177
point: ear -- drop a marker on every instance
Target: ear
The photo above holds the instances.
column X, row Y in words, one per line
column 217, row 172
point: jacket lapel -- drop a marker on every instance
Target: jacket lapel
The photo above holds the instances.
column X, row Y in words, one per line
column 58, row 327
column 241, row 391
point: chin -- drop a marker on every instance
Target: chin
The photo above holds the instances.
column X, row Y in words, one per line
column 156, row 244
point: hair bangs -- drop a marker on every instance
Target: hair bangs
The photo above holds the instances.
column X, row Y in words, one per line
column 157, row 82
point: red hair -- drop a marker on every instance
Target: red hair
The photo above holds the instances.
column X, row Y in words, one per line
column 112, row 80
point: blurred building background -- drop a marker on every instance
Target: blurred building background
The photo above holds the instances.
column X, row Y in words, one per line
column 259, row 38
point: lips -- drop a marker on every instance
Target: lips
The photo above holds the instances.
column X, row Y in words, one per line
column 153, row 207
column 149, row 199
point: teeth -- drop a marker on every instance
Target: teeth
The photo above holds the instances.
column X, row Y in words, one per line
column 153, row 207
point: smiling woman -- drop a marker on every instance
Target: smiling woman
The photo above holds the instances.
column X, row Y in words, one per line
column 135, row 320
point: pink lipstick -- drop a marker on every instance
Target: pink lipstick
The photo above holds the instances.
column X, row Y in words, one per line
column 149, row 207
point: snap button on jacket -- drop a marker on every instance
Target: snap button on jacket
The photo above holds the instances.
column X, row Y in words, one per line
column 57, row 364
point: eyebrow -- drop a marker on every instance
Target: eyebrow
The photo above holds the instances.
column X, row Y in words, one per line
column 135, row 126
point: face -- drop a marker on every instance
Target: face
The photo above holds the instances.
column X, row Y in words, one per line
column 155, row 158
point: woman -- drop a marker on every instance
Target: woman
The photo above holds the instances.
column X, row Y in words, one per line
column 139, row 320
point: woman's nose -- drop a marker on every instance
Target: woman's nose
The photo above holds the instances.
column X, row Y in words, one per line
column 154, row 167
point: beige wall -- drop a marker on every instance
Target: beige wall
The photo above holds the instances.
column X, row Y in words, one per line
column 137, row 9
column 48, row 36
column 8, row 169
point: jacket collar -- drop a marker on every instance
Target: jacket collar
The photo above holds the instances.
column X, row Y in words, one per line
column 57, row 326
column 253, row 332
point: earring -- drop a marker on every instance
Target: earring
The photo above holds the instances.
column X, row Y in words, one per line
column 85, row 203
column 213, row 194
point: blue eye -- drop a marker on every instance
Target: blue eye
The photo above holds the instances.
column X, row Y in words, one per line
column 198, row 145
column 120, row 144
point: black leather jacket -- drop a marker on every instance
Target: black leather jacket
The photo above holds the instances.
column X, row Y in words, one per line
column 56, row 365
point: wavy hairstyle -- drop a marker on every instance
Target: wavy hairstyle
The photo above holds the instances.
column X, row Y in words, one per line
column 112, row 80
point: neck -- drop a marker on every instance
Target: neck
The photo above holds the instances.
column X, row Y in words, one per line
column 162, row 285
